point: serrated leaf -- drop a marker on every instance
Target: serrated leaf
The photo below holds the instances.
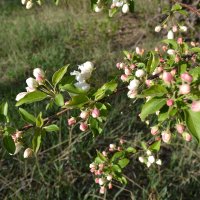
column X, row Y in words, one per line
column 26, row 116
column 151, row 107
column 51, row 128
column 9, row 144
column 123, row 162
column 155, row 90
column 155, row 146
column 58, row 75
column 59, row 100
column 193, row 123
column 78, row 101
column 32, row 97
column 39, row 120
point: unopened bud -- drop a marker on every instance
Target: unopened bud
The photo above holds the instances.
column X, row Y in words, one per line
column 71, row 121
column 195, row 106
column 95, row 113
column 184, row 89
column 180, row 128
column 28, row 153
column 84, row 114
column 170, row 102
column 167, row 77
column 158, row 28
column 154, row 130
column 170, row 35
column 187, row 137
column 83, row 126
column 186, row 77
column 166, row 136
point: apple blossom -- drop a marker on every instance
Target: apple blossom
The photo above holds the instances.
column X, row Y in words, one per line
column 84, row 114
column 101, row 181
column 154, row 130
column 166, row 136
column 32, row 83
column 23, row 2
column 104, row 153
column 148, row 164
column 39, row 74
column 180, row 40
column 127, row 71
column 158, row 28
column 21, row 95
column 102, row 190
column 148, row 152
column 167, row 77
column 83, row 126
column 186, row 77
column 151, row 159
column 170, row 35
column 184, row 89
column 109, row 185
column 141, row 159
column 180, row 128
column 159, row 162
column 29, row 4
column 28, row 153
column 132, row 94
column 71, row 121
column 124, row 77
column 195, row 106
column 109, row 177
column 171, row 51
column 170, row 102
column 183, row 28
column 125, row 8
column 187, row 137
column 174, row 28
column 140, row 73
column 133, row 85
column 95, row 113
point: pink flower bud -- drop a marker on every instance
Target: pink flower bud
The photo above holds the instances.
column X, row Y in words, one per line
column 95, row 113
column 102, row 190
column 177, row 59
column 71, row 121
column 173, row 72
column 171, row 51
column 167, row 77
column 92, row 165
column 28, row 153
column 84, row 115
column 110, row 186
column 132, row 66
column 121, row 66
column 186, row 77
column 119, row 148
column 180, row 40
column 101, row 166
column 195, row 106
column 118, row 65
column 187, row 137
column 39, row 75
column 170, row 102
column 166, row 136
column 148, row 82
column 83, row 126
column 162, row 60
column 180, row 128
column 127, row 71
column 184, row 89
column 96, row 180
column 164, row 48
column 154, row 130
column 124, row 77
column 104, row 153
column 174, row 28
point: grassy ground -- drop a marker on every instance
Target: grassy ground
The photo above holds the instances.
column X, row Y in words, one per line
column 50, row 37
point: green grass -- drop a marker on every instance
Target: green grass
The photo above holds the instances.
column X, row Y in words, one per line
column 50, row 37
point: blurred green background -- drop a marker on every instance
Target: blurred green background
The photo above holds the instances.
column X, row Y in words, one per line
column 50, row 37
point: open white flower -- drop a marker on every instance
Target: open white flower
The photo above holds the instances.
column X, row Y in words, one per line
column 133, row 85
column 29, row 5
column 140, row 73
column 32, row 83
column 158, row 28
column 86, row 67
column 125, row 8
column 151, row 159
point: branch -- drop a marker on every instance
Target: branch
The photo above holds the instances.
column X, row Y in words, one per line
column 189, row 7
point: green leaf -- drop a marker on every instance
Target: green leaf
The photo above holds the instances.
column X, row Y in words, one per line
column 171, row 42
column 112, row 11
column 58, row 75
column 4, row 108
column 155, row 146
column 116, row 168
column 117, row 155
column 105, row 90
column 26, row 116
column 131, row 150
column 195, row 49
column 153, row 61
column 95, row 126
column 78, row 101
column 32, row 97
column 101, row 156
column 123, row 162
column 72, row 89
column 51, row 128
column 155, row 90
column 151, row 107
column 193, row 123
column 9, row 144
column 36, row 141
column 39, row 120
column 195, row 72
column 176, row 7
column 132, row 6
column 124, row 181
column 59, row 100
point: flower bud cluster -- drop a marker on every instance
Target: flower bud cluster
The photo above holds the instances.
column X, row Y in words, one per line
column 149, row 159
column 120, row 4
column 83, row 75
column 32, row 83
column 27, row 3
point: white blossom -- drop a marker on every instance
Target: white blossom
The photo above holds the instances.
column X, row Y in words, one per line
column 29, row 5
column 125, row 8
column 140, row 73
column 133, row 85
column 32, row 83
column 159, row 162
column 158, row 28
column 183, row 28
column 170, row 35
column 151, row 159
